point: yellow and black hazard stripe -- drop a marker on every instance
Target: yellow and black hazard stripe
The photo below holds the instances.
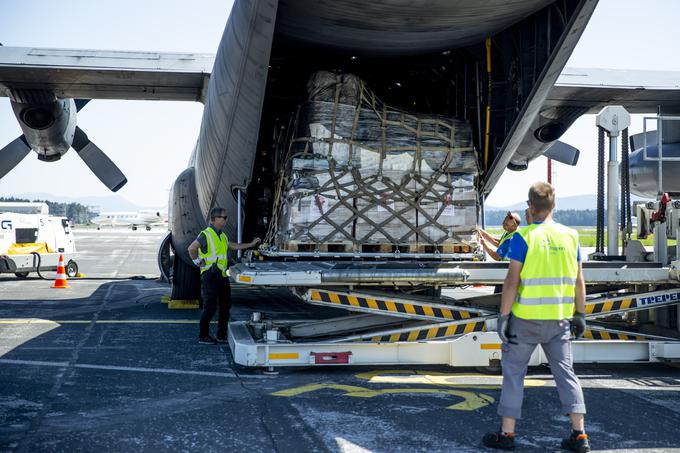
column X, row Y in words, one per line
column 389, row 306
column 610, row 305
column 429, row 333
column 592, row 334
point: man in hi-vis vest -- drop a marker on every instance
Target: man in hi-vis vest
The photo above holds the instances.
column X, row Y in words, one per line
column 543, row 290
column 209, row 252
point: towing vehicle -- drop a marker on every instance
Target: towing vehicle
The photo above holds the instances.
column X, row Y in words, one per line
column 34, row 242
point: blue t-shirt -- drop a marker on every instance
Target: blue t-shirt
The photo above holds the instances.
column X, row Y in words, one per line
column 503, row 249
column 518, row 248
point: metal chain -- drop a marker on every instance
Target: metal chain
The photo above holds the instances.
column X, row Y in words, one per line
column 625, row 149
column 625, row 189
column 599, row 235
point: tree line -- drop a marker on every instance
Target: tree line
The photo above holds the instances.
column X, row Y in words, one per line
column 569, row 217
column 75, row 212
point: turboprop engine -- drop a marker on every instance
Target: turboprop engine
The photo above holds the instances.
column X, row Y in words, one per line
column 50, row 129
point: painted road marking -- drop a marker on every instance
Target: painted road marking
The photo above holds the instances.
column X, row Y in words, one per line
column 471, row 400
column 129, row 368
column 440, row 383
column 439, row 379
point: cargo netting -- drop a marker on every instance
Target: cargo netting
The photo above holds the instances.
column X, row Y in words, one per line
column 355, row 172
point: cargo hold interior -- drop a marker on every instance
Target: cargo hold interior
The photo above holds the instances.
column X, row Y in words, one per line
column 441, row 83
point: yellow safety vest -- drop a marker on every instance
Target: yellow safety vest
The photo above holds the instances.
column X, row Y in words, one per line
column 218, row 246
column 548, row 279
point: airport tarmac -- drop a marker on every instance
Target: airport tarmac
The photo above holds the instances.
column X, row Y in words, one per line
column 105, row 365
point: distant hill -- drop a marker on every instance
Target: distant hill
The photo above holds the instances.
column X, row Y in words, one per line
column 577, row 202
column 574, row 202
column 105, row 203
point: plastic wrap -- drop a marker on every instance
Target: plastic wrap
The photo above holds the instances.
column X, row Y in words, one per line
column 358, row 172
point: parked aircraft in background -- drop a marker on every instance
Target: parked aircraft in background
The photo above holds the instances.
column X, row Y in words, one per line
column 134, row 219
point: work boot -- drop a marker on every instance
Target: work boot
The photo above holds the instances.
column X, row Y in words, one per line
column 499, row 440
column 577, row 441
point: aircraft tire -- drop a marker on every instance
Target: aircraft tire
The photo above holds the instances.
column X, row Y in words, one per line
column 21, row 275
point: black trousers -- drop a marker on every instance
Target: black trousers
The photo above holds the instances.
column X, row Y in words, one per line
column 216, row 293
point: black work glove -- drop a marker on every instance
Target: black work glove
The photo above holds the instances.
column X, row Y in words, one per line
column 578, row 325
column 503, row 324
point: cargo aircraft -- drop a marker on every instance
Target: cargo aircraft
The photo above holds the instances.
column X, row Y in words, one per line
column 498, row 65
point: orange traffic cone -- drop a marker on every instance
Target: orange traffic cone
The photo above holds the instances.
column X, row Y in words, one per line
column 60, row 281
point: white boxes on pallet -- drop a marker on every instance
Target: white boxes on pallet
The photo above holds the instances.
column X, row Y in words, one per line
column 442, row 223
column 368, row 174
column 316, row 207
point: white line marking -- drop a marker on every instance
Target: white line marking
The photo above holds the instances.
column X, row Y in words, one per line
column 153, row 370
column 129, row 368
column 33, row 362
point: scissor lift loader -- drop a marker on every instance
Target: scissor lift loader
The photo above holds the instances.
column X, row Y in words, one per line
column 390, row 322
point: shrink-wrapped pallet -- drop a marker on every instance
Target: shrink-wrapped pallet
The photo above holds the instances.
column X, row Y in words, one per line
column 358, row 172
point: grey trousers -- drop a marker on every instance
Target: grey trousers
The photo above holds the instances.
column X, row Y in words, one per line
column 553, row 336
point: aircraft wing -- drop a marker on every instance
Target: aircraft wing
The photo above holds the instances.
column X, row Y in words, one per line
column 578, row 91
column 102, row 74
column 637, row 90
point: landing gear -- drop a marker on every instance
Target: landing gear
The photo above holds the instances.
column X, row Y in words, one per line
column 134, row 227
column 148, row 228
column 166, row 258
column 21, row 275
column 186, row 281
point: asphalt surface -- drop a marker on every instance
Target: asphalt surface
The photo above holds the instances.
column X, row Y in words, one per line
column 105, row 365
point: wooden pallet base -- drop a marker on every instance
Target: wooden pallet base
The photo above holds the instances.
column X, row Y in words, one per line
column 314, row 247
column 348, row 247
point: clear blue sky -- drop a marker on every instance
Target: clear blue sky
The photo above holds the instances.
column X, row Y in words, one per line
column 151, row 141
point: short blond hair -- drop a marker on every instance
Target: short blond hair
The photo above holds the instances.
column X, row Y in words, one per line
column 542, row 196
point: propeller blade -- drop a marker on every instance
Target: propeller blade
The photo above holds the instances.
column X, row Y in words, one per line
column 99, row 163
column 562, row 152
column 80, row 103
column 12, row 154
